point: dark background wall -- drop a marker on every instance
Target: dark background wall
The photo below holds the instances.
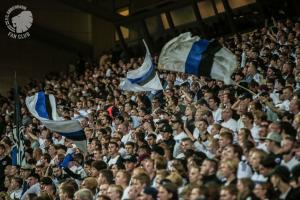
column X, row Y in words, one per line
column 59, row 32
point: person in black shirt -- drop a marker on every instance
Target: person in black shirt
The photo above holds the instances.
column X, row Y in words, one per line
column 280, row 179
column 4, row 161
column 166, row 131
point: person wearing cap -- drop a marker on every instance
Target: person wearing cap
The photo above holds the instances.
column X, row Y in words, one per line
column 280, row 179
column 157, row 151
column 167, row 136
column 130, row 163
column 148, row 193
column 273, row 143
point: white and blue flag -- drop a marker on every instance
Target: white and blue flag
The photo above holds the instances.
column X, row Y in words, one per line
column 43, row 107
column 143, row 78
column 199, row 57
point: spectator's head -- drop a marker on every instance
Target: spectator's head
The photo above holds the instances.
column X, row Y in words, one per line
column 209, row 167
column 273, row 142
column 113, row 148
column 228, row 168
column 167, row 191
column 194, row 174
column 130, row 162
column 280, row 176
column 16, row 183
column 105, row 176
column 225, row 139
column 66, row 191
column 140, row 181
column 228, row 193
column 148, row 193
column 115, row 192
column 90, row 183
column 33, row 179
column 97, row 166
column 122, row 178
column 83, row 194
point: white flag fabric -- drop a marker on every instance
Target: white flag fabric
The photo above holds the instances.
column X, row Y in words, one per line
column 43, row 107
column 143, row 78
column 199, row 57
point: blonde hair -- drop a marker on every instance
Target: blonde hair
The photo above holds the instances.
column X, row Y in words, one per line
column 175, row 178
column 231, row 164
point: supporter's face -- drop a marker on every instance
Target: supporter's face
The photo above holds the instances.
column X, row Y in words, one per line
column 205, row 167
column 163, row 194
column 228, row 152
column 194, row 194
column 103, row 189
column 129, row 149
column 52, row 150
column 194, row 175
column 165, row 135
column 274, row 128
column 137, row 185
column 202, row 126
column 56, row 172
column 97, row 155
column 225, row 170
column 151, row 141
column 275, row 181
column 255, row 160
column 14, row 184
column 149, row 166
column 94, row 172
column 259, row 191
column 24, row 173
column 226, row 114
column 225, row 195
column 7, row 169
column 129, row 166
column 223, row 141
column 186, row 145
column 39, row 171
column 112, row 149
column 120, row 179
column 31, row 181
column 188, row 111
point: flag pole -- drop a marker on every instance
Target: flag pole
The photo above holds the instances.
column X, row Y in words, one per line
column 17, row 116
column 253, row 93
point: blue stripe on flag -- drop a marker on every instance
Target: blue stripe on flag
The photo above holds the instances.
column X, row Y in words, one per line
column 194, row 58
column 144, row 77
column 40, row 105
column 76, row 136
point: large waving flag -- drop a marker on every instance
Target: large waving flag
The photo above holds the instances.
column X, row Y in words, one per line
column 192, row 55
column 43, row 107
column 143, row 78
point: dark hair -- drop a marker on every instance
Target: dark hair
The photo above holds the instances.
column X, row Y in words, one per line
column 108, row 175
column 171, row 188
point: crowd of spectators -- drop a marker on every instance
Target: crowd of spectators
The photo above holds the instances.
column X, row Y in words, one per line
column 196, row 139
